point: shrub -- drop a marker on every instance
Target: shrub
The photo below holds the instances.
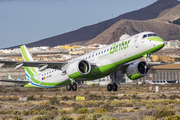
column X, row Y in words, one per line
column 31, row 97
column 16, row 117
column 147, row 97
column 16, row 112
column 51, row 114
column 100, row 110
column 173, row 97
column 163, row 96
column 25, row 113
column 113, row 119
column 65, row 98
column 82, row 110
column 163, row 111
column 82, row 117
column 2, row 112
column 41, row 96
column 124, row 111
column 53, row 101
column 10, row 111
column 64, row 117
column 42, row 112
column 174, row 117
column 95, row 116
column 94, row 96
column 37, row 118
column 149, row 106
column 34, row 111
column 132, row 110
column 86, row 93
column 62, row 111
column 171, row 106
column 149, row 118
column 113, row 97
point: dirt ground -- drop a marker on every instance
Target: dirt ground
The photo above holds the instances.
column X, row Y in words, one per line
column 130, row 102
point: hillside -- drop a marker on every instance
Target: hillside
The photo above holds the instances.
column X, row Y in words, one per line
column 165, row 25
column 89, row 32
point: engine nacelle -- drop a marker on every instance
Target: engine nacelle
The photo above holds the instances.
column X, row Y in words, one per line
column 78, row 68
column 137, row 70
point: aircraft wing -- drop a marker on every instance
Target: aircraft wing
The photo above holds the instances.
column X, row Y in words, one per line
column 151, row 64
column 40, row 65
column 14, row 81
column 157, row 63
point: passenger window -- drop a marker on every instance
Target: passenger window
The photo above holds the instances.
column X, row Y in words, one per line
column 102, row 52
column 89, row 56
column 99, row 53
column 92, row 55
column 96, row 54
column 107, row 49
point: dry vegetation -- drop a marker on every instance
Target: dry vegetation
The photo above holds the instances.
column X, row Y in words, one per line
column 130, row 102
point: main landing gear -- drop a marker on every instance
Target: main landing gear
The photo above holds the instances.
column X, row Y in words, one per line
column 113, row 86
column 72, row 86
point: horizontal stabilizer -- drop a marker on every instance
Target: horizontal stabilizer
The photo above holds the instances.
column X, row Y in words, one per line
column 14, row 81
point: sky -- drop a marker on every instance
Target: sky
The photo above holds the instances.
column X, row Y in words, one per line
column 26, row 21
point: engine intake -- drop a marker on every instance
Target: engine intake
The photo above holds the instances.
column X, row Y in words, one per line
column 78, row 68
column 137, row 70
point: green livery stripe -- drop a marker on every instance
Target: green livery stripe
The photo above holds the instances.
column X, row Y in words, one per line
column 158, row 39
column 29, row 86
column 75, row 75
column 108, row 69
column 152, row 50
column 29, row 71
column 23, row 51
column 135, row 76
column 45, row 83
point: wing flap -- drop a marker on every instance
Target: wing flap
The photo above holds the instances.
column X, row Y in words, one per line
column 14, row 81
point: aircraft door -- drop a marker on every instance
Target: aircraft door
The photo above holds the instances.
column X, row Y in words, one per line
column 136, row 41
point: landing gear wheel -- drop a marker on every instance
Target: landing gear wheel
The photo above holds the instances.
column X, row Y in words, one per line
column 115, row 87
column 109, row 87
column 74, row 87
column 68, row 87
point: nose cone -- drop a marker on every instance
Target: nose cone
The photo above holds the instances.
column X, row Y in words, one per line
column 157, row 39
column 158, row 42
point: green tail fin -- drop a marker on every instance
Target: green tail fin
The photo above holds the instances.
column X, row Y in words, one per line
column 30, row 71
column 9, row 76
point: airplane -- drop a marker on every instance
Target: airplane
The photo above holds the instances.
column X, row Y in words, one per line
column 94, row 65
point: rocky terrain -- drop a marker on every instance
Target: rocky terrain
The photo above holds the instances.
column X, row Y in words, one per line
column 87, row 33
column 166, row 25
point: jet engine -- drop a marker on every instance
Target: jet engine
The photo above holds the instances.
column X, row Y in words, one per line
column 78, row 68
column 137, row 70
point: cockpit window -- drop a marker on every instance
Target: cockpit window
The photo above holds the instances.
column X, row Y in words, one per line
column 144, row 36
column 149, row 35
